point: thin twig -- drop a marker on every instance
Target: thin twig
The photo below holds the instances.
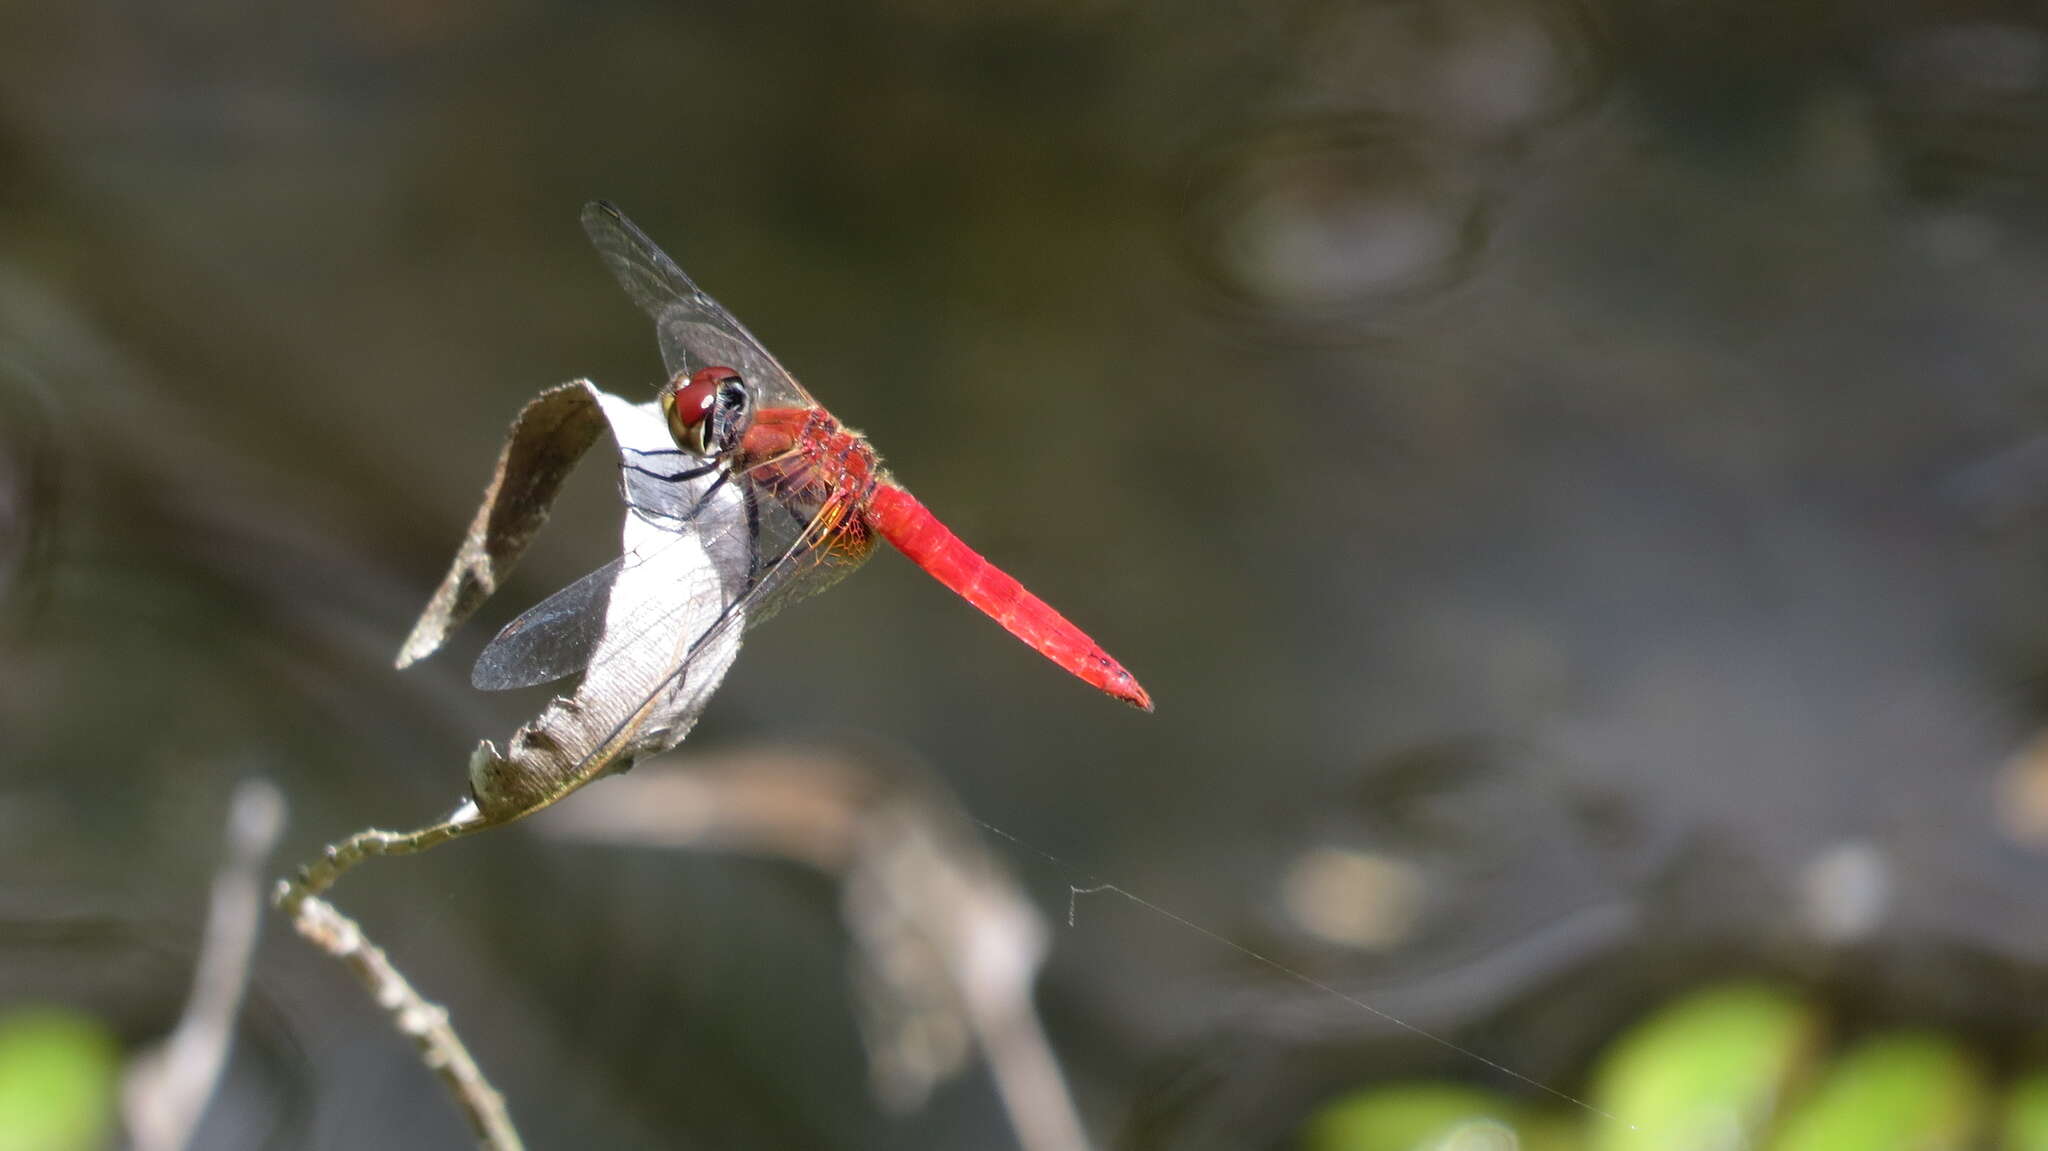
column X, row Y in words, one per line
column 168, row 1087
column 341, row 857
column 426, row 1024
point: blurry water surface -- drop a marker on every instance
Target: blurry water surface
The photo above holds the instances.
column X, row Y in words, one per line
column 1568, row 471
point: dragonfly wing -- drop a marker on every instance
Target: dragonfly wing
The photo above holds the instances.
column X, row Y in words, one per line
column 652, row 669
column 674, row 500
column 552, row 639
column 679, row 604
column 695, row 331
column 816, row 554
column 661, row 643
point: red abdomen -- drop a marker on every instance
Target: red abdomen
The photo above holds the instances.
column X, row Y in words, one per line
column 910, row 526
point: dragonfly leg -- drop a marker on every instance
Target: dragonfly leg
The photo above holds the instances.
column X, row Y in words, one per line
column 753, row 533
column 674, row 477
column 686, row 516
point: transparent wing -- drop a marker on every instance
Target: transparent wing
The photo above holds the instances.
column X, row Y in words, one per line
column 658, row 662
column 695, row 330
column 818, row 554
column 786, row 555
column 674, row 502
column 552, row 639
column 768, row 555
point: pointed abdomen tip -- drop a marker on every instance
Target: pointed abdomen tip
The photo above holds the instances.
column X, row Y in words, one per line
column 1128, row 689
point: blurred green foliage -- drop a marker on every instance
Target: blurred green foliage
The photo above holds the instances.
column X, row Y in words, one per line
column 1713, row 1062
column 1900, row 1092
column 58, row 1071
column 1412, row 1116
column 1734, row 1066
column 2026, row 1114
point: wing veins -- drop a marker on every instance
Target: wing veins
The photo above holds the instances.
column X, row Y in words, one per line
column 577, row 631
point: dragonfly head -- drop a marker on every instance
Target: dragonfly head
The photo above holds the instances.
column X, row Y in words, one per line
column 708, row 413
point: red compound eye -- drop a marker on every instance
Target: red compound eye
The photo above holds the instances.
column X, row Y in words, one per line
column 693, row 400
column 691, row 404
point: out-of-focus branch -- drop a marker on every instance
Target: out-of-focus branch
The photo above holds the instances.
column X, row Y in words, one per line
column 919, row 882
column 1027, row 1075
column 426, row 1024
column 167, row 1088
column 949, row 948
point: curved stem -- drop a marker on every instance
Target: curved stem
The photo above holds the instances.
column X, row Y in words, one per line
column 341, row 857
column 425, row 1023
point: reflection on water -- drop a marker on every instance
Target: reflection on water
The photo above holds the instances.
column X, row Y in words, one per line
column 28, row 490
column 1477, row 70
column 1655, row 389
column 1368, row 179
column 1326, row 219
column 1968, row 105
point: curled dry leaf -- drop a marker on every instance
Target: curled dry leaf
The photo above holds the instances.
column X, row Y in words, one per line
column 672, row 598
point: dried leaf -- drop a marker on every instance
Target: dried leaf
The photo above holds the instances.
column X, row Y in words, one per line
column 549, row 437
column 671, row 600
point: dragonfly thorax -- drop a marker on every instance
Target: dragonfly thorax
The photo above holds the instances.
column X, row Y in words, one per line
column 806, row 460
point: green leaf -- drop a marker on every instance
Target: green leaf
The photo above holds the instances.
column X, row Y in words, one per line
column 1908, row 1091
column 1706, row 1071
column 1422, row 1116
column 58, row 1074
column 2026, row 1113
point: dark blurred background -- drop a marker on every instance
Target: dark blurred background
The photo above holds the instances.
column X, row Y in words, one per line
column 1573, row 473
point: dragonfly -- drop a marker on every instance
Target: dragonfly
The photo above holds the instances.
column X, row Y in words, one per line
column 782, row 498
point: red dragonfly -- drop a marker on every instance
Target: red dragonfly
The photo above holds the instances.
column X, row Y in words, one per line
column 812, row 497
